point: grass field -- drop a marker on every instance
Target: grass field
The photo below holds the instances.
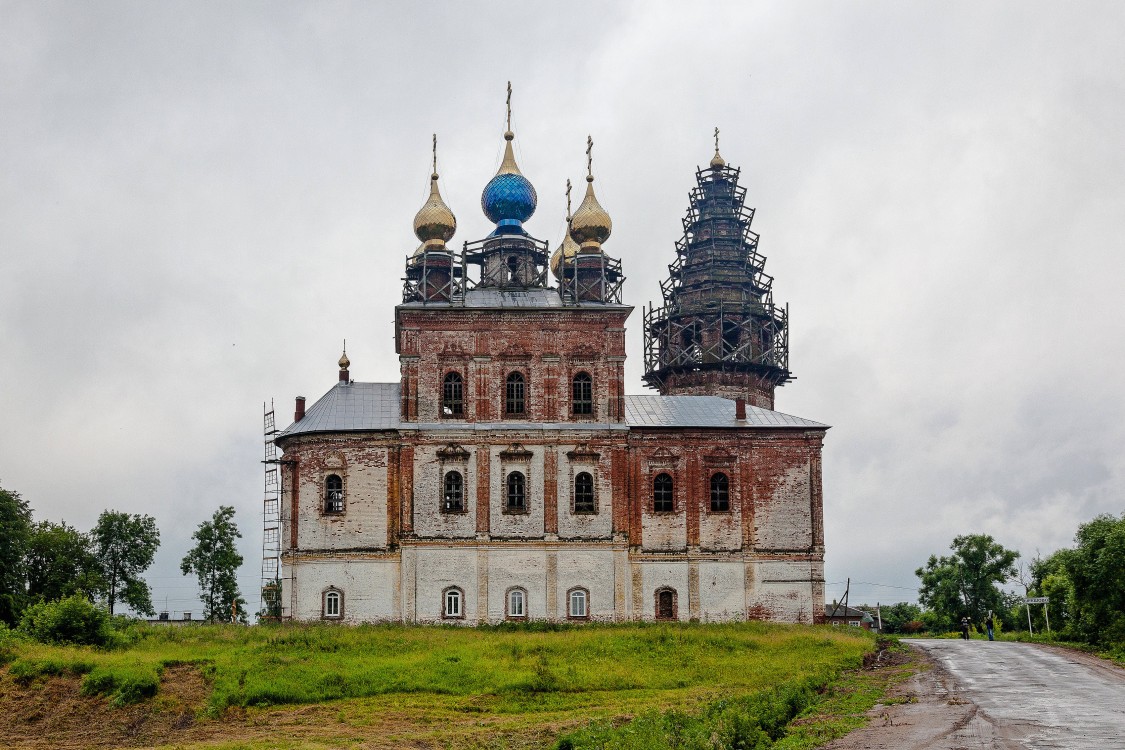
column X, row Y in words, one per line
column 594, row 686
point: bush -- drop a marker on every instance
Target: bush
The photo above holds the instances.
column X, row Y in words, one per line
column 72, row 620
column 8, row 641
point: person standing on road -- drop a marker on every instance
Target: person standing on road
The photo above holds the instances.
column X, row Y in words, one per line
column 965, row 627
column 990, row 624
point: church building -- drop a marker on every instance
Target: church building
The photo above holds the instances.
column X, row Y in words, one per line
column 507, row 475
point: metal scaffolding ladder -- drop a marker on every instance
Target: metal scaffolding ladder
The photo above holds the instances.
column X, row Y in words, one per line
column 270, row 609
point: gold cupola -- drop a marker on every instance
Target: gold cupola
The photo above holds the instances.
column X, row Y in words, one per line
column 434, row 224
column 591, row 225
column 717, row 161
column 564, row 254
column 345, row 363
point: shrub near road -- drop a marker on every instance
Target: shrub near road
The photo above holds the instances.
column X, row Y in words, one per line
column 525, row 681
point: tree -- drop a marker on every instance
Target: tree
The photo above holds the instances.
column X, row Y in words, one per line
column 15, row 530
column 215, row 561
column 966, row 582
column 60, row 562
column 124, row 546
column 1096, row 572
column 902, row 617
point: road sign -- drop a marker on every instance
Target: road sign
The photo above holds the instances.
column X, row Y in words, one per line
column 1037, row 600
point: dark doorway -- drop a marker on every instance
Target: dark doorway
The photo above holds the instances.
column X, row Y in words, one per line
column 665, row 605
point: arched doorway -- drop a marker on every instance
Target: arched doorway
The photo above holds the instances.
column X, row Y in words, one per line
column 666, row 604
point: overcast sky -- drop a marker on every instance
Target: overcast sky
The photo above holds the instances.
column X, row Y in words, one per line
column 200, row 201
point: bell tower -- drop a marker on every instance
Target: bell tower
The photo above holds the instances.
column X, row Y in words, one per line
column 719, row 332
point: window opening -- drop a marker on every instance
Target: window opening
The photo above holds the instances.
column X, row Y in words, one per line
column 514, row 394
column 720, row 492
column 584, row 493
column 333, row 494
column 513, row 269
column 731, row 335
column 578, row 604
column 453, row 395
column 582, row 394
column 516, row 600
column 454, row 496
column 452, row 603
column 662, row 494
column 516, row 499
column 666, row 605
column 332, row 604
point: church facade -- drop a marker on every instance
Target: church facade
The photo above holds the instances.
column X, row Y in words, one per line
column 508, row 476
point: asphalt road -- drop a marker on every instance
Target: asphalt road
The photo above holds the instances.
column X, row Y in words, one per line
column 1037, row 697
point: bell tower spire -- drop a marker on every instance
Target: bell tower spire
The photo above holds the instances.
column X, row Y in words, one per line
column 719, row 332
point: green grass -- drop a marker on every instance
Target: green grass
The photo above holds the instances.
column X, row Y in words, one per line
column 518, row 678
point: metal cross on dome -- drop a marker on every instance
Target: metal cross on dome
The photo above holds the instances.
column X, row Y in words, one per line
column 508, row 106
column 589, row 156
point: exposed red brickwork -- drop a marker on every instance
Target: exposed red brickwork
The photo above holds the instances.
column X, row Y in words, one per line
column 550, row 490
column 729, row 384
column 548, row 346
column 484, row 482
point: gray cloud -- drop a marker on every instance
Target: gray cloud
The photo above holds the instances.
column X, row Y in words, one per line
column 199, row 201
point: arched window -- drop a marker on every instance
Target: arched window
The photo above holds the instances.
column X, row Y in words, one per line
column 582, row 394
column 453, row 395
column 333, row 494
column 453, row 499
column 731, row 335
column 517, row 603
column 578, row 604
column 689, row 341
column 452, row 603
column 665, row 604
column 514, row 394
column 513, row 269
column 662, row 493
column 720, row 492
column 584, row 493
column 333, row 604
column 515, row 500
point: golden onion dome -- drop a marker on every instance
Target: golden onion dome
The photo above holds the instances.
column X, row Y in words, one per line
column 717, row 161
column 591, row 225
column 563, row 254
column 434, row 223
column 344, row 363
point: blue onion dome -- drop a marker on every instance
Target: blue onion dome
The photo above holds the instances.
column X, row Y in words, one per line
column 434, row 224
column 509, row 198
column 591, row 225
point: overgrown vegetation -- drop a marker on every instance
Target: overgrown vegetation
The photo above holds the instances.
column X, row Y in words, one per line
column 557, row 673
column 828, row 707
column 72, row 620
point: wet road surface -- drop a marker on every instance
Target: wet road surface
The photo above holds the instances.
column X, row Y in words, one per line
column 1036, row 697
column 979, row 695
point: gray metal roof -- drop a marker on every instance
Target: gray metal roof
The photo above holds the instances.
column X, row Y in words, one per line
column 351, row 406
column 703, row 411
column 361, row 407
column 491, row 297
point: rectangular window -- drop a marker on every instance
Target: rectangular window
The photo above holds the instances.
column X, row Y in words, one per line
column 582, row 394
column 514, row 394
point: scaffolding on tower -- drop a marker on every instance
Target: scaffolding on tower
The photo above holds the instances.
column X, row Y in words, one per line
column 271, row 610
